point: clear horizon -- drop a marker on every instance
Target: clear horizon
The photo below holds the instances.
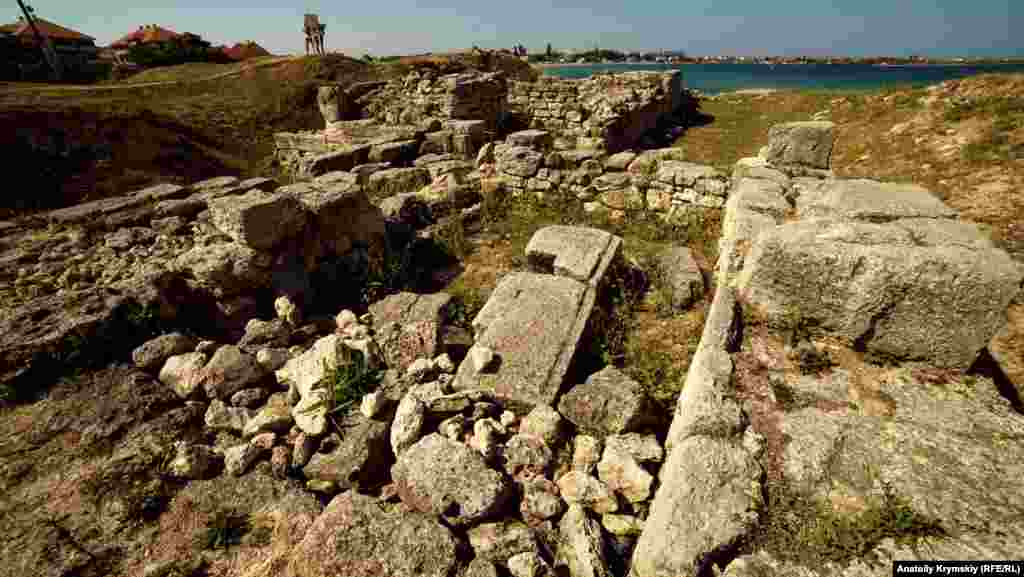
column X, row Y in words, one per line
column 936, row 28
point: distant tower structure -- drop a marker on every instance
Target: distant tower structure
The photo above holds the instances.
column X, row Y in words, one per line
column 314, row 34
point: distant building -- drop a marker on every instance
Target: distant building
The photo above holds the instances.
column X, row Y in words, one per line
column 148, row 34
column 73, row 47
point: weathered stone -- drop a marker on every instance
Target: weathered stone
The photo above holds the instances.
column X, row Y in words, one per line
column 527, row 454
column 408, row 209
column 342, row 215
column 681, row 276
column 164, row 191
column 274, row 417
column 183, row 374
column 710, row 493
column 356, row 536
column 272, row 359
column 342, row 158
column 531, row 369
column 443, row 364
column 226, row 268
column 248, row 398
column 459, row 402
column 394, row 152
column 540, row 499
column 622, row 525
column 447, row 478
column 309, row 369
column 871, row 201
column 360, row 461
column 608, row 403
column 152, row 354
column 193, row 461
column 481, row 359
column 643, row 448
column 221, row 417
column 919, row 289
column 480, row 568
column 619, row 161
column 580, row 253
column 802, row 143
column 453, row 427
column 288, row 311
column 508, row 419
column 539, row 140
column 586, row 453
column 581, row 549
column 372, row 404
column 258, row 219
column 544, row 422
column 280, row 459
column 501, row 540
column 529, row 564
column 408, row 423
column 272, row 333
column 310, row 413
column 304, row 449
column 239, row 458
column 486, row 433
column 519, row 161
column 758, row 168
column 622, row 474
column 229, row 371
column 408, row 326
column 419, row 371
column 394, row 181
column 581, row 489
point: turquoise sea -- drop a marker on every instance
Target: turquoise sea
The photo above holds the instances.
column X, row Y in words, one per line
column 717, row 78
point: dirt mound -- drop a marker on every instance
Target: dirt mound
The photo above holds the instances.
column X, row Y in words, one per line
column 484, row 61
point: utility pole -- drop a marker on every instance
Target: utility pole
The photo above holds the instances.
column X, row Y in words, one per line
column 44, row 43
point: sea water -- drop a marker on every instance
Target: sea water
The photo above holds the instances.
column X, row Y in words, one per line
column 717, row 78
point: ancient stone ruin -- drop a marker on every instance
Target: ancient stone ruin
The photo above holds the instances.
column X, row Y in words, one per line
column 830, row 368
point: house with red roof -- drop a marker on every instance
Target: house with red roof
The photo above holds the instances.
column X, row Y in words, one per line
column 66, row 42
column 148, row 34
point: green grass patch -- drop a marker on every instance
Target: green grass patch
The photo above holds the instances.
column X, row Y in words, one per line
column 800, row 530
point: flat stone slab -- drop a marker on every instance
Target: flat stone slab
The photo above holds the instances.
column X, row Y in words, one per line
column 873, row 201
column 95, row 209
column 580, row 253
column 258, row 219
column 163, row 192
column 533, row 323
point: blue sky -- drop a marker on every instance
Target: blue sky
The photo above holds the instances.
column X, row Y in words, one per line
column 700, row 27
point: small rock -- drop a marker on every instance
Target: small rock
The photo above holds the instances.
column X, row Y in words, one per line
column 183, row 374
column 305, row 446
column 220, row 417
column 481, row 358
column 230, row 370
column 621, row 473
column 355, row 332
column 193, row 461
column 508, row 418
column 272, row 333
column 527, row 454
column 274, row 417
column 322, row 486
column 453, row 427
column 263, row 441
column 540, row 499
column 346, row 319
column 279, row 461
column 586, row 453
column 581, row 489
column 485, row 437
column 288, row 311
column 499, row 541
column 608, row 403
column 622, row 525
column 456, row 402
column 419, row 371
column 248, row 398
column 544, row 422
column 529, row 564
column 480, row 568
column 152, row 354
column 372, row 404
column 239, row 458
column 272, row 359
column 207, row 347
column 310, row 413
column 443, row 364
column 643, row 448
column 408, row 423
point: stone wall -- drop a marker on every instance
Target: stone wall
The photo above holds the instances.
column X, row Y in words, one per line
column 423, row 95
column 609, row 111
